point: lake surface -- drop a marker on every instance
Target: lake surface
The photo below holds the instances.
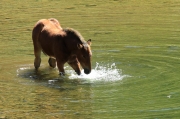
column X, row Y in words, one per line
column 135, row 62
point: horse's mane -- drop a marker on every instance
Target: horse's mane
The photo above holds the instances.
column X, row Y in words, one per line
column 75, row 33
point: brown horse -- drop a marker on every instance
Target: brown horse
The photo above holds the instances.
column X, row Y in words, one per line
column 61, row 45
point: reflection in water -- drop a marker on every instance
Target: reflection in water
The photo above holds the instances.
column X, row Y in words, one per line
column 71, row 95
column 45, row 76
column 63, row 98
column 100, row 73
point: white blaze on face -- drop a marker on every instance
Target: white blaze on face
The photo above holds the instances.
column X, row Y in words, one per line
column 90, row 53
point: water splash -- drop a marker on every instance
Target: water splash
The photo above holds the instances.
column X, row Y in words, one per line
column 105, row 73
column 101, row 73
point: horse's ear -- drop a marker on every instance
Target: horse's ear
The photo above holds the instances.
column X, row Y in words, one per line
column 89, row 42
column 79, row 46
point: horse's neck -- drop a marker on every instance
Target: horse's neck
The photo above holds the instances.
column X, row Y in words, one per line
column 71, row 44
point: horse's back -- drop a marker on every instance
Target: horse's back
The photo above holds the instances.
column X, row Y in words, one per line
column 40, row 24
column 38, row 28
column 55, row 22
column 46, row 33
column 49, row 27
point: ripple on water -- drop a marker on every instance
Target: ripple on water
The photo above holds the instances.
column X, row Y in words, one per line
column 101, row 73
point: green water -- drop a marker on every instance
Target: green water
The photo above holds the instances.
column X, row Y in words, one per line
column 140, row 37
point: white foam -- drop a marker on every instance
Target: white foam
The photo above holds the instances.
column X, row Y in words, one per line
column 100, row 73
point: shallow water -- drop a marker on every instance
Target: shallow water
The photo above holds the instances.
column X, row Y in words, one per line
column 135, row 62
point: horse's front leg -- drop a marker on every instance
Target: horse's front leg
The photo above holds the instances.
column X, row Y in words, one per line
column 60, row 65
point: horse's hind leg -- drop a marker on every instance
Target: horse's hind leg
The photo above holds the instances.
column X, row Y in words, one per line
column 37, row 47
column 52, row 62
column 37, row 53
column 37, row 61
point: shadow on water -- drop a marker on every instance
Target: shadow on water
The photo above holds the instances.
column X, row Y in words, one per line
column 68, row 98
column 46, row 76
column 100, row 74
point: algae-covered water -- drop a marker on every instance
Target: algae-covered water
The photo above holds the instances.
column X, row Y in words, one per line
column 135, row 62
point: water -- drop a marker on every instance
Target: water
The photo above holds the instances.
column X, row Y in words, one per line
column 100, row 74
column 135, row 61
column 107, row 73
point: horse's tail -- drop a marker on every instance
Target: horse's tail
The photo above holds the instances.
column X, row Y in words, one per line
column 35, row 36
column 37, row 30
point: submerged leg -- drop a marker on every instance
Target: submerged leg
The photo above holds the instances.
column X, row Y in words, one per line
column 37, row 47
column 52, row 62
column 37, row 54
column 37, row 60
column 60, row 66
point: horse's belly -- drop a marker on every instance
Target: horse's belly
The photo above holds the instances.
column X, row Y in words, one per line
column 47, row 47
column 48, row 52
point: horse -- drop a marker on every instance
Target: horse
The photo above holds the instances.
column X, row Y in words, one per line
column 62, row 45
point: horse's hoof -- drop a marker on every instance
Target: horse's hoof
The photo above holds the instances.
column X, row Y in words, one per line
column 36, row 68
column 61, row 73
column 78, row 72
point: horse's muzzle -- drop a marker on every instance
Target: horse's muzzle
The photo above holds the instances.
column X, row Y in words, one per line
column 87, row 71
column 78, row 72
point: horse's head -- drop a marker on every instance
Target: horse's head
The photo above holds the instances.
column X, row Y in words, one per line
column 84, row 56
column 81, row 52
